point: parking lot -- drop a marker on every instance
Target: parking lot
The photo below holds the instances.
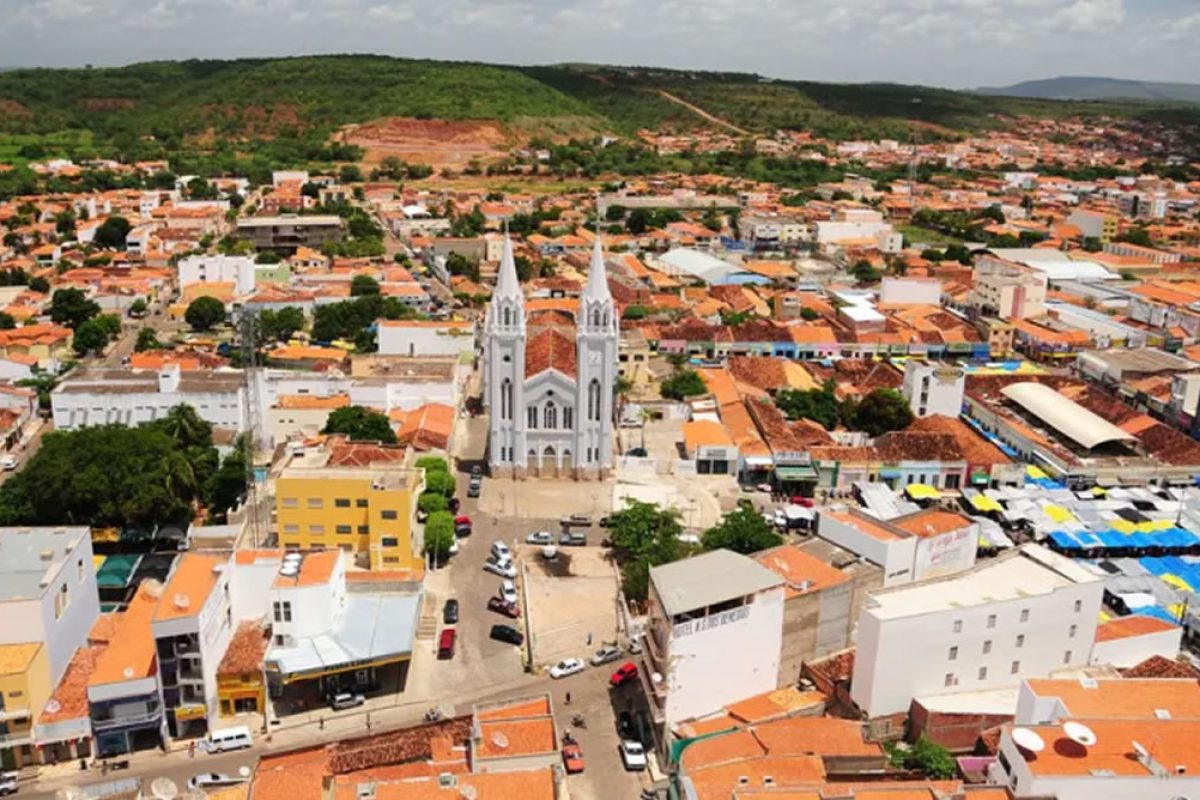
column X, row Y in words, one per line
column 571, row 599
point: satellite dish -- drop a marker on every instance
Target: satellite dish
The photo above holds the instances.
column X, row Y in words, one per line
column 127, row 672
column 244, row 771
column 1140, row 749
column 154, row 588
column 468, row 792
column 1029, row 740
column 1079, row 733
column 499, row 740
column 182, row 601
column 53, row 706
column 164, row 789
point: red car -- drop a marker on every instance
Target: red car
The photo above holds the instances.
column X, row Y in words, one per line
column 627, row 672
column 572, row 757
column 804, row 502
column 500, row 606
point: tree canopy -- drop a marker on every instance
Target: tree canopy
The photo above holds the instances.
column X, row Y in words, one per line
column 643, row 536
column 280, row 325
column 742, row 531
column 881, row 411
column 204, row 312
column 71, row 307
column 439, row 534
column 683, row 384
column 361, row 425
column 820, row 405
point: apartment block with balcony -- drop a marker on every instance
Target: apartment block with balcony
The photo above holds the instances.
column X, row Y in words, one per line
column 192, row 627
column 48, row 603
column 1006, row 289
column 356, row 497
column 287, row 233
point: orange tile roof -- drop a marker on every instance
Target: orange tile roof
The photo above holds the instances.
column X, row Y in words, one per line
column 550, row 349
column 803, row 572
column 248, row 557
column 246, row 650
column 316, row 568
column 130, row 654
column 531, row 784
column 307, row 401
column 931, row 523
column 520, row 737
column 705, row 433
column 1131, row 626
column 189, row 586
column 863, row 525
column 427, row 427
column 533, row 707
column 1174, row 744
column 1128, row 698
column 70, row 696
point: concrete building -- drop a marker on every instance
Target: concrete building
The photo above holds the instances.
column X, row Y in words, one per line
column 426, row 338
column 911, row 291
column 1027, row 613
column 914, row 547
column 1007, row 290
column 770, row 232
column 237, row 270
column 102, row 396
column 354, row 497
column 1095, row 224
column 48, row 603
column 192, row 627
column 713, row 635
column 933, row 388
column 287, row 233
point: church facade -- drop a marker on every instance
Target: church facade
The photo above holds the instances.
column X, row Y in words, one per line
column 549, row 378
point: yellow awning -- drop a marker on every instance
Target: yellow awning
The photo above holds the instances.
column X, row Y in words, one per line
column 1099, row 491
column 1123, row 526
column 922, row 491
column 1034, row 472
column 983, row 503
column 1177, row 582
column 1058, row 513
column 98, row 562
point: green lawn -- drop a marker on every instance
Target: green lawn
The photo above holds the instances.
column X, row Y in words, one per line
column 926, row 236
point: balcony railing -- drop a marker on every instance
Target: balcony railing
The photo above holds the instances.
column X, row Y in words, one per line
column 127, row 720
column 17, row 739
column 10, row 714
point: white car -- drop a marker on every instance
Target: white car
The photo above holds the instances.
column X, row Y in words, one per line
column 501, row 552
column 633, row 755
column 508, row 591
column 8, row 463
column 540, row 537
column 504, row 569
column 568, row 666
column 211, row 779
column 604, row 655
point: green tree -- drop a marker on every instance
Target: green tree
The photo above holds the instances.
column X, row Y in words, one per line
column 643, row 535
column 1136, row 235
column 138, row 308
column 147, row 339
column 881, row 411
column 809, row 314
column 89, row 338
column 110, row 324
column 994, row 213
column 64, row 223
column 864, row 273
column 71, row 307
column 363, row 284
column 225, row 488
column 39, row 284
column 683, row 384
column 819, row 405
column 925, row 756
column 432, row 464
column 280, row 325
column 1092, row 244
column 635, row 312
column 440, row 482
column 183, row 424
column 638, row 221
column 431, row 502
column 111, row 233
column 361, row 425
column 200, row 189
column 350, row 173
column 439, row 534
column 742, row 531
column 7, row 323
column 204, row 312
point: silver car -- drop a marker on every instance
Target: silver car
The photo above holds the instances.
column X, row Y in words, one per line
column 604, row 655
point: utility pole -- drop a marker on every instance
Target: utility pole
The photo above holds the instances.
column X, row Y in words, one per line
column 248, row 332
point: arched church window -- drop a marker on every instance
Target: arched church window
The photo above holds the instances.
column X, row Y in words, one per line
column 506, row 399
column 550, row 417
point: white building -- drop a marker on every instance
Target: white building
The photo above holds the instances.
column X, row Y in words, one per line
column 192, row 627
column 215, row 268
column 99, row 396
column 549, row 385
column 918, row 546
column 714, row 634
column 404, row 337
column 934, row 388
column 1007, row 290
column 1028, row 612
column 911, row 291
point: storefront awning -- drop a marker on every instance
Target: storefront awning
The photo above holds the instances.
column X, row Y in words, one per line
column 922, row 491
column 796, row 473
column 985, row 504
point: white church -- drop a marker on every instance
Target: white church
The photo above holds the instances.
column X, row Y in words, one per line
column 549, row 379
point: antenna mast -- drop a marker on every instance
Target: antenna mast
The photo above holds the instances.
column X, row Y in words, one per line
column 248, row 333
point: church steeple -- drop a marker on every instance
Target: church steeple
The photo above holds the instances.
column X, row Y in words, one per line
column 597, row 283
column 507, row 284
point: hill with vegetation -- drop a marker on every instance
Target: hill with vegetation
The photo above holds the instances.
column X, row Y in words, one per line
column 249, row 115
column 1093, row 88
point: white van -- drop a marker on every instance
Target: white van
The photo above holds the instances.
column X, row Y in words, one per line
column 228, row 739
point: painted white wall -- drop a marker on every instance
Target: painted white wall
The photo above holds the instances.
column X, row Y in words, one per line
column 895, row 556
column 251, row 588
column 946, row 554
column 940, row 385
column 238, row 270
column 425, row 340
column 724, row 657
column 1133, row 650
column 900, row 658
column 74, row 410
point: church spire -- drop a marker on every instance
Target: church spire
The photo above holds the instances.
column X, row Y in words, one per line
column 507, row 284
column 597, row 283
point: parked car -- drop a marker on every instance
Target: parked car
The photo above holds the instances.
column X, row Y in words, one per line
column 504, row 569
column 462, row 519
column 540, row 537
column 211, row 779
column 604, row 655
column 625, row 673
column 9, row 463
column 572, row 756
column 476, row 471
column 446, row 644
column 637, row 452
column 506, row 633
column 568, row 666
column 583, row 520
column 549, row 552
column 473, row 489
column 504, row 607
column 508, row 591
column 573, row 539
column 450, row 612
column 633, row 755
column 625, row 728
column 8, row 783
column 635, row 645
column 501, row 552
column 462, row 526
column 346, row 700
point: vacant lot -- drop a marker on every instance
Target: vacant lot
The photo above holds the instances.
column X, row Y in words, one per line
column 569, row 598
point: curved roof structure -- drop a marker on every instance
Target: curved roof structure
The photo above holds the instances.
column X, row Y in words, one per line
column 1065, row 415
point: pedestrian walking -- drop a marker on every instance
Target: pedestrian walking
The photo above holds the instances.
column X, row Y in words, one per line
column 589, row 638
column 191, row 749
column 568, row 698
column 321, row 723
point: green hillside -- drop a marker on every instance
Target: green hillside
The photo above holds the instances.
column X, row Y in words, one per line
column 284, row 110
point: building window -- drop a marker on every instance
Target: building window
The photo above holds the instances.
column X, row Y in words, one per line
column 991, row 622
column 1071, row 632
column 1020, row 640
column 952, row 481
column 290, row 502
column 364, row 529
column 291, row 528
column 550, row 416
column 1024, row 615
column 282, row 611
column 531, row 418
column 1078, row 606
column 954, row 653
column 342, row 502
column 987, row 647
column 1015, row 668
column 316, row 528
column 62, row 600
column 389, row 514
column 1067, row 657
column 950, row 679
column 506, row 398
column 983, row 673
column 344, row 528
column 390, row 541
column 360, row 502
column 316, row 502
column 594, row 400
column 958, row 626
column 79, row 569
column 568, row 418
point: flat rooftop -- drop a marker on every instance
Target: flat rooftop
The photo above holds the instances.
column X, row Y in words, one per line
column 145, row 381
column 709, row 579
column 29, row 556
column 290, row 220
column 1029, row 570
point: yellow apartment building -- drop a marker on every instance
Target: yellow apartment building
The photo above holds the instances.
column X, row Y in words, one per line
column 358, row 497
column 24, row 689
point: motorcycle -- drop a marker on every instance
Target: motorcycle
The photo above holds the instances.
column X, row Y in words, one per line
column 578, row 721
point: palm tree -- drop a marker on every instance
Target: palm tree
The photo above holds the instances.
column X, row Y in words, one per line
column 645, row 415
column 185, row 426
column 179, row 476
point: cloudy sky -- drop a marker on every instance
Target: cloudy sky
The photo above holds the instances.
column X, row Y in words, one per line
column 957, row 43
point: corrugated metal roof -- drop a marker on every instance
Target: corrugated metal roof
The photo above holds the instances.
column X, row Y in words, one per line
column 1065, row 415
